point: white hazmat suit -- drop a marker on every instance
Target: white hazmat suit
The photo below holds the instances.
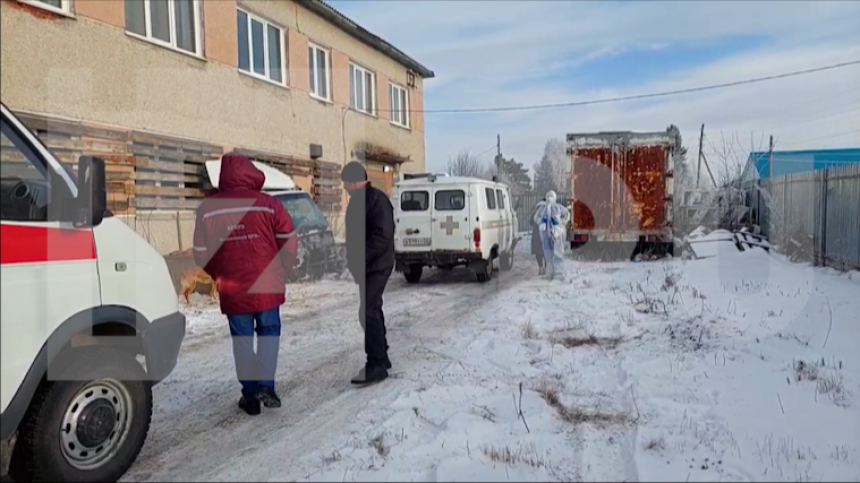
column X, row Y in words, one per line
column 552, row 218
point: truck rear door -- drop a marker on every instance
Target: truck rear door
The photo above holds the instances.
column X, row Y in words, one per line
column 413, row 214
column 450, row 218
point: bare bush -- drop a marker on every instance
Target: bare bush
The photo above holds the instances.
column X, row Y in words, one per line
column 529, row 331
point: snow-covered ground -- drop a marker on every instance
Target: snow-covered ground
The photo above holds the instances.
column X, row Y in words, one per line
column 740, row 367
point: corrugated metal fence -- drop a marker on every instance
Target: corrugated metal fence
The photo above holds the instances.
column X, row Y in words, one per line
column 525, row 203
column 821, row 206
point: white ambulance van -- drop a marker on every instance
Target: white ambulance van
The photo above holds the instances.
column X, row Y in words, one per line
column 444, row 221
column 90, row 321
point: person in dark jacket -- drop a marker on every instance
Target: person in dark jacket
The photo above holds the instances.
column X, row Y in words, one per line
column 370, row 259
column 537, row 244
column 246, row 241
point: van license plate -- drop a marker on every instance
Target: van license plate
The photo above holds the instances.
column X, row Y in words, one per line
column 416, row 242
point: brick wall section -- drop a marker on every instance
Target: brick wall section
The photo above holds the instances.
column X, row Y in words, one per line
column 297, row 44
column 219, row 39
column 383, row 103
column 340, row 77
column 111, row 12
column 416, row 108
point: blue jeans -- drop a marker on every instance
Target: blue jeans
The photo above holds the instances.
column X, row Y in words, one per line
column 255, row 369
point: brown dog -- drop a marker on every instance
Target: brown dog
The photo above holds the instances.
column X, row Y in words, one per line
column 190, row 277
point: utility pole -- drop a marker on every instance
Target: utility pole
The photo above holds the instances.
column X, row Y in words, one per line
column 699, row 168
column 770, row 158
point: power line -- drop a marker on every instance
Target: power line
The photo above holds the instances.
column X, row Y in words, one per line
column 854, row 132
column 607, row 100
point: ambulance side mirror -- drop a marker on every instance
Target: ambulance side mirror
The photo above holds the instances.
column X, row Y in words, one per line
column 91, row 203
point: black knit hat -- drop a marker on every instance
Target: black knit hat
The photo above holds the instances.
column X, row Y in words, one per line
column 353, row 172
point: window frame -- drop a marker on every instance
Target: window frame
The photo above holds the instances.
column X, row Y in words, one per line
column 65, row 6
column 312, row 87
column 424, row 192
column 172, row 45
column 392, row 88
column 490, row 199
column 284, row 82
column 438, row 192
column 356, row 69
column 500, row 199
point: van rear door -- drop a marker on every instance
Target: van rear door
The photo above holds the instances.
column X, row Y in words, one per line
column 451, row 218
column 413, row 219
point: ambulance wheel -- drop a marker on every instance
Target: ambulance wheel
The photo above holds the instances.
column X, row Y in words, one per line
column 86, row 423
column 506, row 261
column 484, row 270
column 413, row 273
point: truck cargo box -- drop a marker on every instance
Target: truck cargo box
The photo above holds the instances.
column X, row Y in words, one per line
column 621, row 188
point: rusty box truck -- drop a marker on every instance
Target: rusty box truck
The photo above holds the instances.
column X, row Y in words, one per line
column 621, row 191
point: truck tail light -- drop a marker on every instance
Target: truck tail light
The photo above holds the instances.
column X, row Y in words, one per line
column 580, row 238
column 477, row 236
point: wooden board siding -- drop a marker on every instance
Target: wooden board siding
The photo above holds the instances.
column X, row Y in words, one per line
column 170, row 172
column 328, row 188
column 147, row 171
column 69, row 140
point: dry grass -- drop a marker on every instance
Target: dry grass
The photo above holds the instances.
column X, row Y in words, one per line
column 655, row 444
column 529, row 331
column 551, row 395
column 572, row 342
column 509, row 456
column 806, row 372
column 378, row 444
column 833, row 386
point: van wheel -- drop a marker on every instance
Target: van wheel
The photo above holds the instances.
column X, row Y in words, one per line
column 413, row 273
column 484, row 270
column 506, row 261
column 88, row 422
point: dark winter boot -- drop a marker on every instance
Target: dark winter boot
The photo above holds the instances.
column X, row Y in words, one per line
column 250, row 406
column 370, row 375
column 269, row 397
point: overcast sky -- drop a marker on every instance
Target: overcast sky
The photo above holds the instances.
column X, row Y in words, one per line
column 507, row 53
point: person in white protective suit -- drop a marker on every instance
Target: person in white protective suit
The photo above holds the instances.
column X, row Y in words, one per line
column 552, row 218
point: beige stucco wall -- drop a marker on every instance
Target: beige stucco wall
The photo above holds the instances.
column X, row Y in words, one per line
column 88, row 68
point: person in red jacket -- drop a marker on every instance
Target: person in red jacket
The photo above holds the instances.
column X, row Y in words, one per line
column 246, row 241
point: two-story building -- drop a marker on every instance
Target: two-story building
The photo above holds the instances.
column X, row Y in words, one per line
column 157, row 87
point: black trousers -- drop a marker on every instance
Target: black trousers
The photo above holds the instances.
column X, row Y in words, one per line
column 371, row 316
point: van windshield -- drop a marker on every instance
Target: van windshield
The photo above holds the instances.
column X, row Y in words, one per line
column 305, row 213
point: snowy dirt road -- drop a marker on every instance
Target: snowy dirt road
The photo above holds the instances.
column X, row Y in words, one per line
column 740, row 367
column 199, row 434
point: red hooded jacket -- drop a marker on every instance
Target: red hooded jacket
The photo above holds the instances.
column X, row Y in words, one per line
column 245, row 240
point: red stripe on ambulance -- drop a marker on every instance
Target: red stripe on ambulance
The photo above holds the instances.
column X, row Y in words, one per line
column 40, row 244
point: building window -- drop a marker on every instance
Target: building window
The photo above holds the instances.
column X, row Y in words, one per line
column 173, row 23
column 362, row 89
column 59, row 6
column 261, row 47
column 320, row 71
column 399, row 105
